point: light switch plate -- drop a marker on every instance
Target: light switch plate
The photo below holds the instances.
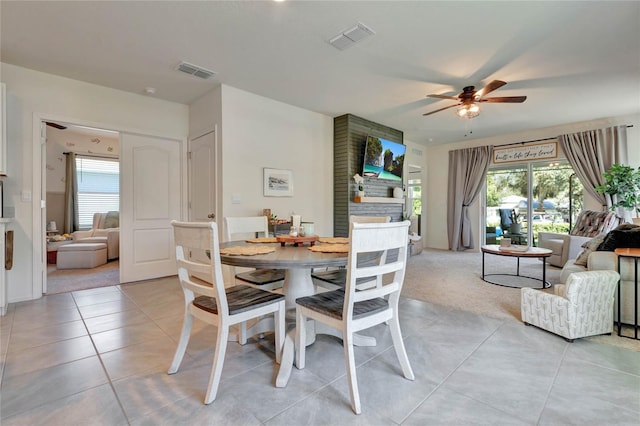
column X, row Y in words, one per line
column 25, row 196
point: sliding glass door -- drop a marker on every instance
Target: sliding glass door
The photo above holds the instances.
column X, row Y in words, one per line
column 526, row 198
column 506, row 188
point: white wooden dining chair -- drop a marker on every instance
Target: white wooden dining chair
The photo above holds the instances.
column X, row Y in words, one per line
column 337, row 278
column 213, row 303
column 351, row 310
column 237, row 228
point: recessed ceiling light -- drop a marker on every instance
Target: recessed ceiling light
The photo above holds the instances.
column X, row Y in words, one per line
column 150, row 90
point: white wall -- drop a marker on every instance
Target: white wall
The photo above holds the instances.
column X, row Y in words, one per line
column 34, row 94
column 258, row 132
column 438, row 166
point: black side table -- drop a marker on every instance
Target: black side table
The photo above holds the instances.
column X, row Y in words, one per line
column 633, row 253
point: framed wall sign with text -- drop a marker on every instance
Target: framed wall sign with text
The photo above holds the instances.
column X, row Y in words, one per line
column 527, row 152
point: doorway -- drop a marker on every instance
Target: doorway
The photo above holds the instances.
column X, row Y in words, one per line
column 414, row 199
column 527, row 198
column 97, row 172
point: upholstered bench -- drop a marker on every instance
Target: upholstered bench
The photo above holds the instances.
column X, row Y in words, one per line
column 82, row 255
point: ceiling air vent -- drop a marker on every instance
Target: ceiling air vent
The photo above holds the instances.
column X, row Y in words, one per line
column 351, row 36
column 195, row 70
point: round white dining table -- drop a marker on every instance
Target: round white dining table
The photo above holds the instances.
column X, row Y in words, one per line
column 297, row 263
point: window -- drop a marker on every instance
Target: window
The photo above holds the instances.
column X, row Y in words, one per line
column 548, row 193
column 98, row 187
column 414, row 197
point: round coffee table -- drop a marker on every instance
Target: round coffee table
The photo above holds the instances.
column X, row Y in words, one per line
column 535, row 252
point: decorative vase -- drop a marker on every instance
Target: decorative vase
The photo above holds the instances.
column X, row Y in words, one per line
column 360, row 194
column 397, row 192
column 515, row 228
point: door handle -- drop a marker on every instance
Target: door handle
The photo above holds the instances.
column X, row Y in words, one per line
column 211, row 216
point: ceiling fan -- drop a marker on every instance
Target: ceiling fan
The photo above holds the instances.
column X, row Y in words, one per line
column 469, row 98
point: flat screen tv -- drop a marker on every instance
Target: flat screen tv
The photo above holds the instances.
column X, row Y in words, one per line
column 383, row 159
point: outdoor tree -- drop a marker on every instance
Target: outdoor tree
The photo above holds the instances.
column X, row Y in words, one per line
column 550, row 183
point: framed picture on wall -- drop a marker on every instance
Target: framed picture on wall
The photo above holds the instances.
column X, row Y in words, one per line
column 278, row 183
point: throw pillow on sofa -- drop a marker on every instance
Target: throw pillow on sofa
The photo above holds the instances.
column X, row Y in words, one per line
column 625, row 235
column 112, row 220
column 588, row 247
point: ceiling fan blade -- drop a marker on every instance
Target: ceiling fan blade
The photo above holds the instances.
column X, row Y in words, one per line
column 56, row 125
column 453, row 98
column 495, row 84
column 442, row 109
column 505, row 99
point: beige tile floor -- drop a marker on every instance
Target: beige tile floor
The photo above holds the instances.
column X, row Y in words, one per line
column 100, row 357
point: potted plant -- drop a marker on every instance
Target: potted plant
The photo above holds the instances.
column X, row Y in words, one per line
column 622, row 183
column 516, row 224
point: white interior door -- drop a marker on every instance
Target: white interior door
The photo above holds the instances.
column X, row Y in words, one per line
column 202, row 184
column 151, row 196
column 202, row 178
column 43, row 206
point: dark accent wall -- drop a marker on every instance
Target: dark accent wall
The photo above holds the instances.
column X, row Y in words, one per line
column 349, row 139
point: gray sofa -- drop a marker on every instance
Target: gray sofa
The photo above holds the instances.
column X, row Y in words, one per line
column 608, row 261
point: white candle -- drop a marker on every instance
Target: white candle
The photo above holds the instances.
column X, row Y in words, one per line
column 295, row 220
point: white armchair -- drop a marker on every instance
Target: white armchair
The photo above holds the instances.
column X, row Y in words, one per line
column 567, row 246
column 105, row 229
column 581, row 307
column 563, row 246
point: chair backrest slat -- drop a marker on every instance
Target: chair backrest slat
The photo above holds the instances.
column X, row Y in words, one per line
column 366, row 238
column 372, row 219
column 375, row 292
column 245, row 227
column 200, row 237
column 386, row 268
column 369, row 219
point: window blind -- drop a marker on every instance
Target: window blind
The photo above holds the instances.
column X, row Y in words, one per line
column 98, row 187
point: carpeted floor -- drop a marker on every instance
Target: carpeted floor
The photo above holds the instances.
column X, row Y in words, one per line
column 66, row 280
column 453, row 279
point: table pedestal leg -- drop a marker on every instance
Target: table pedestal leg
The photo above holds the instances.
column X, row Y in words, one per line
column 297, row 283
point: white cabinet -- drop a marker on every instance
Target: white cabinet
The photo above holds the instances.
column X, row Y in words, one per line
column 3, row 131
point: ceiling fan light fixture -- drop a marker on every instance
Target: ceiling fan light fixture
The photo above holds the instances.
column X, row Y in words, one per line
column 468, row 111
